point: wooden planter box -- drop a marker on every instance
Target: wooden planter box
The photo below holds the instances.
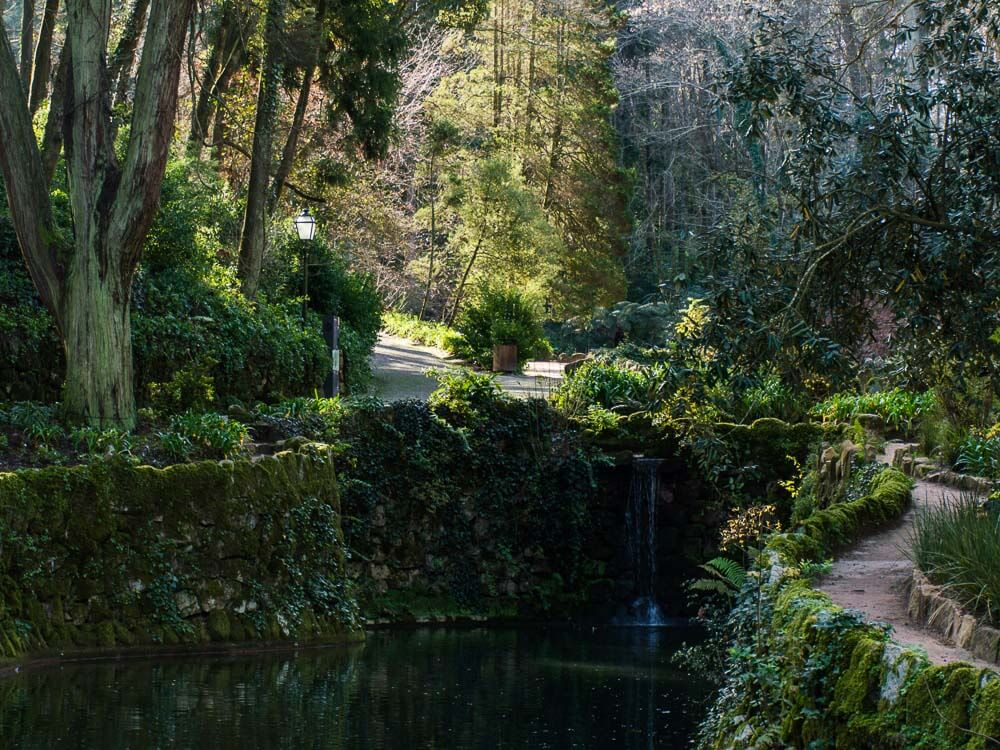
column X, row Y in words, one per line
column 505, row 358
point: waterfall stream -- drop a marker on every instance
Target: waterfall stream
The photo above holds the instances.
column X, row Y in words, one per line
column 640, row 539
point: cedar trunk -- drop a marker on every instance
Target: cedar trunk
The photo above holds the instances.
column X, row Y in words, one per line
column 97, row 339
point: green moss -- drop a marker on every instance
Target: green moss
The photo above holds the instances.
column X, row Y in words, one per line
column 219, row 628
column 831, row 668
column 111, row 554
column 985, row 724
column 105, row 632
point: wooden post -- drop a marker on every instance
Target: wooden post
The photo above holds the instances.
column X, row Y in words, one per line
column 331, row 334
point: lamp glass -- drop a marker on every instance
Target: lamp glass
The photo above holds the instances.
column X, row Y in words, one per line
column 305, row 225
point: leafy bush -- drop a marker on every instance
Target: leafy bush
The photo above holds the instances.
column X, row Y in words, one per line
column 957, row 545
column 979, row 454
column 464, row 392
column 500, row 316
column 424, row 332
column 899, row 409
column 205, row 435
column 249, row 351
column 333, row 290
column 605, row 384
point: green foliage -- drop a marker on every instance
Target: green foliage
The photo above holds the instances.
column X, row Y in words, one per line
column 419, row 331
column 899, row 409
column 606, row 384
column 113, row 555
column 979, row 454
column 334, row 289
column 204, row 435
column 957, row 545
column 727, row 578
column 189, row 388
column 465, row 392
column 500, row 316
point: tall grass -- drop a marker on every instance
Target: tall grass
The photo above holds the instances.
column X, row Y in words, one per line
column 957, row 545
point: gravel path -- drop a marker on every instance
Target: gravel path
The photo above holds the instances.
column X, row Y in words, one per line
column 871, row 578
column 400, row 368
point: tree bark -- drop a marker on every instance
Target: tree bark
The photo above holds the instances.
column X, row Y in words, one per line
column 430, row 266
column 52, row 138
column 226, row 56
column 27, row 42
column 292, row 141
column 252, row 239
column 87, row 285
column 460, row 292
column 124, row 57
column 42, row 69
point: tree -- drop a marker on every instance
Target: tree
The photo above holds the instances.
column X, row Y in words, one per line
column 86, row 280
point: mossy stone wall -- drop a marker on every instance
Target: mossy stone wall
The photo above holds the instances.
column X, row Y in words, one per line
column 111, row 555
column 811, row 675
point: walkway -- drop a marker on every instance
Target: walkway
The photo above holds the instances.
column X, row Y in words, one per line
column 400, row 368
column 872, row 576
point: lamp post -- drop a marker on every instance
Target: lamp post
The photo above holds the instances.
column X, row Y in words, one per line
column 305, row 226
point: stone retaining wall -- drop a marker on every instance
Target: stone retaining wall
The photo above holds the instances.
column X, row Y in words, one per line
column 928, row 605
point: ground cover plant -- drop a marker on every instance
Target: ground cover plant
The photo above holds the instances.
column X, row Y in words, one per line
column 957, row 545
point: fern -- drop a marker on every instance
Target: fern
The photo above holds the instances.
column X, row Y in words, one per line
column 727, row 578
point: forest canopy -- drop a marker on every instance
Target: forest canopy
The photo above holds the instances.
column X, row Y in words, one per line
column 821, row 177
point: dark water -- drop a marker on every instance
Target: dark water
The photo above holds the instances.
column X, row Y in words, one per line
column 524, row 688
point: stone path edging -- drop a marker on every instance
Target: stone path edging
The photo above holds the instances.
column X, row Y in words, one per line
column 928, row 605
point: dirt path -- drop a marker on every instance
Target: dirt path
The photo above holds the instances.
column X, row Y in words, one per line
column 400, row 372
column 871, row 578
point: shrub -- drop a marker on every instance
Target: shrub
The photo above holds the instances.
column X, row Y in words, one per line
column 979, row 454
column 604, row 384
column 424, row 332
column 464, row 392
column 204, row 436
column 957, row 545
column 500, row 316
column 333, row 290
column 899, row 409
column 258, row 351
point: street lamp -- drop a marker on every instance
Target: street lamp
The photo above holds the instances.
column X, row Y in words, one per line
column 305, row 227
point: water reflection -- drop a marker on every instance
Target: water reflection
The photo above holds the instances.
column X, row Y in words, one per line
column 524, row 688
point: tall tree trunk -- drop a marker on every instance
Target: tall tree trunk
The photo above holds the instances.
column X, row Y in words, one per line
column 292, row 141
column 124, row 57
column 87, row 284
column 97, row 338
column 53, row 135
column 252, row 239
column 42, row 69
column 460, row 292
column 27, row 42
column 226, row 55
column 430, row 266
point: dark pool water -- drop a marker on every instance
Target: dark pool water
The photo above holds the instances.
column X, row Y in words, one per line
column 485, row 688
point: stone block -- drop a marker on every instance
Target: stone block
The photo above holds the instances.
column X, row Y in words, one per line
column 965, row 631
column 985, row 643
column 941, row 615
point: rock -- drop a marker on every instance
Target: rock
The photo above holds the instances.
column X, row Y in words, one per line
column 872, row 422
column 985, row 643
column 941, row 614
column 965, row 631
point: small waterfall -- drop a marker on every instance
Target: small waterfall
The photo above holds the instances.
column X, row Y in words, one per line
column 640, row 539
